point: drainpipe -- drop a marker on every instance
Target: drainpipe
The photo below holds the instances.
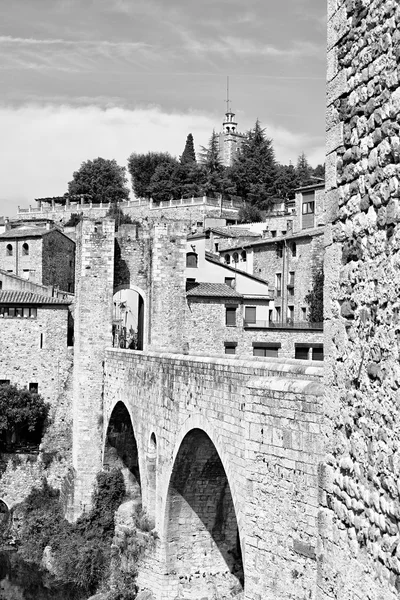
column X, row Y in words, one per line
column 16, row 256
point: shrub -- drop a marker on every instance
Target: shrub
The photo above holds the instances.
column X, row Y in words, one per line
column 22, row 415
column 74, row 219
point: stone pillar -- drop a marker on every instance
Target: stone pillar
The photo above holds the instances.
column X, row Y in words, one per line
column 168, row 287
column 358, row 479
column 93, row 333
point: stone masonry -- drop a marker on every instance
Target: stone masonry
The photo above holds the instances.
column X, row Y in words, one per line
column 359, row 481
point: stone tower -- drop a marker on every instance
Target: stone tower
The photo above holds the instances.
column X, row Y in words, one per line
column 229, row 139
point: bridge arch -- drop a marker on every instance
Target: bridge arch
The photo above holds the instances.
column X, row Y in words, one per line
column 121, row 448
column 135, row 310
column 201, row 530
column 4, row 512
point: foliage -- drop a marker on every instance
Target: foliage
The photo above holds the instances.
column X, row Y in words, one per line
column 101, row 179
column 188, row 155
column 315, row 298
column 22, row 415
column 114, row 212
column 142, row 168
column 304, row 171
column 81, row 550
column 165, row 182
column 250, row 214
column 214, row 177
column 254, row 170
column 319, row 172
column 74, row 219
column 286, row 181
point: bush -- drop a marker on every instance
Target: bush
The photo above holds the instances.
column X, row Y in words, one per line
column 250, row 214
column 74, row 219
column 22, row 416
column 114, row 212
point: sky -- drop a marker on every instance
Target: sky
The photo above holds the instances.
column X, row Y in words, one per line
column 86, row 78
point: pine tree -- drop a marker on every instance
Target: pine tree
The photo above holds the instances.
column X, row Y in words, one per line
column 188, row 156
column 213, row 180
column 254, row 170
column 303, row 170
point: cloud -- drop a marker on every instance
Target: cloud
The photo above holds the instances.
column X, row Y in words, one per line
column 44, row 145
column 69, row 55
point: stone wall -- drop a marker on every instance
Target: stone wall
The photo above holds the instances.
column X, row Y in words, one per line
column 206, row 331
column 35, row 350
column 28, row 266
column 58, row 257
column 359, row 491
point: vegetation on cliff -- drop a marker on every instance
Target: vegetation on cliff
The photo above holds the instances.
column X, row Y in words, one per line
column 22, row 416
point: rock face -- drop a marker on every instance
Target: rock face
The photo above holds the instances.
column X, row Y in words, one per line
column 359, row 483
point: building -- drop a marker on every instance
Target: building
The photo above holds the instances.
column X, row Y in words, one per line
column 38, row 252
column 229, row 139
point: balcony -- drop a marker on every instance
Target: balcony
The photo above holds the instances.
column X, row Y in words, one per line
column 289, row 324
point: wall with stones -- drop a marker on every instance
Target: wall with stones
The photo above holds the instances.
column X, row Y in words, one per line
column 19, row 262
column 206, row 331
column 35, row 350
column 359, row 491
column 58, row 257
column 264, row 428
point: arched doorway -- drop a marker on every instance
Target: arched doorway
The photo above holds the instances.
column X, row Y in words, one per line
column 202, row 540
column 128, row 319
column 121, row 451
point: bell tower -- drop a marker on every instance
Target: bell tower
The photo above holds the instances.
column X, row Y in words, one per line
column 229, row 139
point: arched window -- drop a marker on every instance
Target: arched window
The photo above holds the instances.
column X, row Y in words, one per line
column 243, row 256
column 25, row 249
column 227, row 259
column 191, row 260
column 235, row 257
column 9, row 250
column 294, row 249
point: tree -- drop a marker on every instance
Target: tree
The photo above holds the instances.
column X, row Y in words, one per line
column 286, row 181
column 165, row 182
column 74, row 219
column 114, row 212
column 101, row 179
column 250, row 214
column 315, row 297
column 214, row 176
column 304, row 171
column 188, row 156
column 142, row 168
column 254, row 170
column 22, row 415
column 319, row 172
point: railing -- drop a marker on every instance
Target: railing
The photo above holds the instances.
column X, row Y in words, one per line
column 289, row 324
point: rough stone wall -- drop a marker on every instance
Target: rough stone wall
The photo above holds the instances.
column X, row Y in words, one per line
column 93, row 316
column 206, row 332
column 24, row 361
column 58, row 261
column 18, row 261
column 359, row 493
column 309, row 257
column 168, row 284
column 264, row 428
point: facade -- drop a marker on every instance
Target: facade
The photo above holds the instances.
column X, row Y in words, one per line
column 39, row 253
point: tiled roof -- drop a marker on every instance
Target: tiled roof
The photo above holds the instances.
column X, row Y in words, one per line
column 266, row 241
column 215, row 259
column 231, row 231
column 22, row 233
column 213, row 290
column 22, row 297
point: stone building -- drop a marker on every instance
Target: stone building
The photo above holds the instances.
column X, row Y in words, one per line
column 229, row 140
column 38, row 252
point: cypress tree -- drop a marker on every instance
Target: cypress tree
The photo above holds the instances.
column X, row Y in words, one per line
column 188, row 156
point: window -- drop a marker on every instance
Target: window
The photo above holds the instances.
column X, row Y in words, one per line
column 34, row 388
column 41, row 341
column 265, row 349
column 235, row 257
column 216, row 246
column 278, row 284
column 250, row 314
column 290, row 284
column 270, row 315
column 273, row 233
column 303, row 313
column 191, row 260
column 1, row 285
column 9, row 250
column 309, row 351
column 293, row 248
column 308, row 210
column 25, row 249
column 227, row 259
column 230, row 316
column 243, row 256
column 190, row 282
column 70, row 287
column 26, row 273
column 230, row 281
column 230, row 347
column 290, row 313
column 279, row 250
column 278, row 313
column 12, row 312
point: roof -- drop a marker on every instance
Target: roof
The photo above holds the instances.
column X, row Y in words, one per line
column 22, row 297
column 232, row 231
column 212, row 290
column 215, row 259
column 273, row 240
column 22, row 233
column 312, row 186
